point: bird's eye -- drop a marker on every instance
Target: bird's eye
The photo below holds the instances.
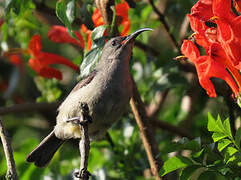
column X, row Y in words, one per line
column 113, row 43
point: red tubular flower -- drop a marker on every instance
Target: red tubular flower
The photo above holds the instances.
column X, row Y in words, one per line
column 202, row 10
column 228, row 30
column 122, row 17
column 60, row 34
column 207, row 67
column 237, row 4
column 121, row 20
column 41, row 60
column 204, row 35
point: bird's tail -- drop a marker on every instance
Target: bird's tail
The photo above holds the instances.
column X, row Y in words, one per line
column 44, row 152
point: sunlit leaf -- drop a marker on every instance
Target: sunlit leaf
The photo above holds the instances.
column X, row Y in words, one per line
column 223, row 144
column 226, row 125
column 175, row 163
column 217, row 136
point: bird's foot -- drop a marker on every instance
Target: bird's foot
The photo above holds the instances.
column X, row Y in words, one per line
column 82, row 174
column 84, row 118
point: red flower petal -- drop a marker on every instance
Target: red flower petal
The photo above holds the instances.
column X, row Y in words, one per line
column 222, row 9
column 35, row 45
column 122, row 10
column 207, row 68
column 202, row 10
column 46, row 72
column 190, row 50
column 60, row 34
column 126, row 28
column 47, row 59
column 97, row 18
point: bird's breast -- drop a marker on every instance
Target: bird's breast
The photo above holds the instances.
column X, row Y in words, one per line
column 107, row 98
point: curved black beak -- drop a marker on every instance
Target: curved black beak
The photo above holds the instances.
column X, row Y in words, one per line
column 132, row 36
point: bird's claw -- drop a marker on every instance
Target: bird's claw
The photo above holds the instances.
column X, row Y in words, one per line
column 82, row 174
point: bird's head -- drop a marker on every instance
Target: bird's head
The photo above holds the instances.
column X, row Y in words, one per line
column 120, row 48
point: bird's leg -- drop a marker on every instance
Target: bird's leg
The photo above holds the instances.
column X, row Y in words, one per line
column 84, row 144
column 84, row 118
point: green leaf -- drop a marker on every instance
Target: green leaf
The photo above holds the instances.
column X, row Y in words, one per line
column 17, row 6
column 175, row 163
column 226, row 125
column 219, row 123
column 188, row 172
column 238, row 137
column 223, row 144
column 232, row 159
column 231, row 151
column 90, row 61
column 70, row 11
column 65, row 12
column 92, row 57
column 97, row 36
column 198, row 154
column 217, row 136
column 211, row 123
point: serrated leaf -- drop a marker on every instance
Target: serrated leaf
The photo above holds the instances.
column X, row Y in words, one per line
column 188, row 172
column 226, row 125
column 232, row 159
column 211, row 123
column 175, row 163
column 223, row 144
column 218, row 136
column 220, row 124
column 238, row 137
column 231, row 151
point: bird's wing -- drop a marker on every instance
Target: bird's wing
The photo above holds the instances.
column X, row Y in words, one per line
column 84, row 81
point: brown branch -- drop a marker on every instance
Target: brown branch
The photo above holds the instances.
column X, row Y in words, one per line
column 154, row 108
column 171, row 128
column 149, row 143
column 11, row 172
column 162, row 19
column 29, row 107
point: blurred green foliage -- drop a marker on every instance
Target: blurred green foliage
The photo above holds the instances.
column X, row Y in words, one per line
column 185, row 106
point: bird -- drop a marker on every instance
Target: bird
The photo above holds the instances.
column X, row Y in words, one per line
column 106, row 91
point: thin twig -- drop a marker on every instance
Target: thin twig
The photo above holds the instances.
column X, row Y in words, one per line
column 29, row 107
column 171, row 128
column 154, row 108
column 11, row 172
column 162, row 19
column 149, row 143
